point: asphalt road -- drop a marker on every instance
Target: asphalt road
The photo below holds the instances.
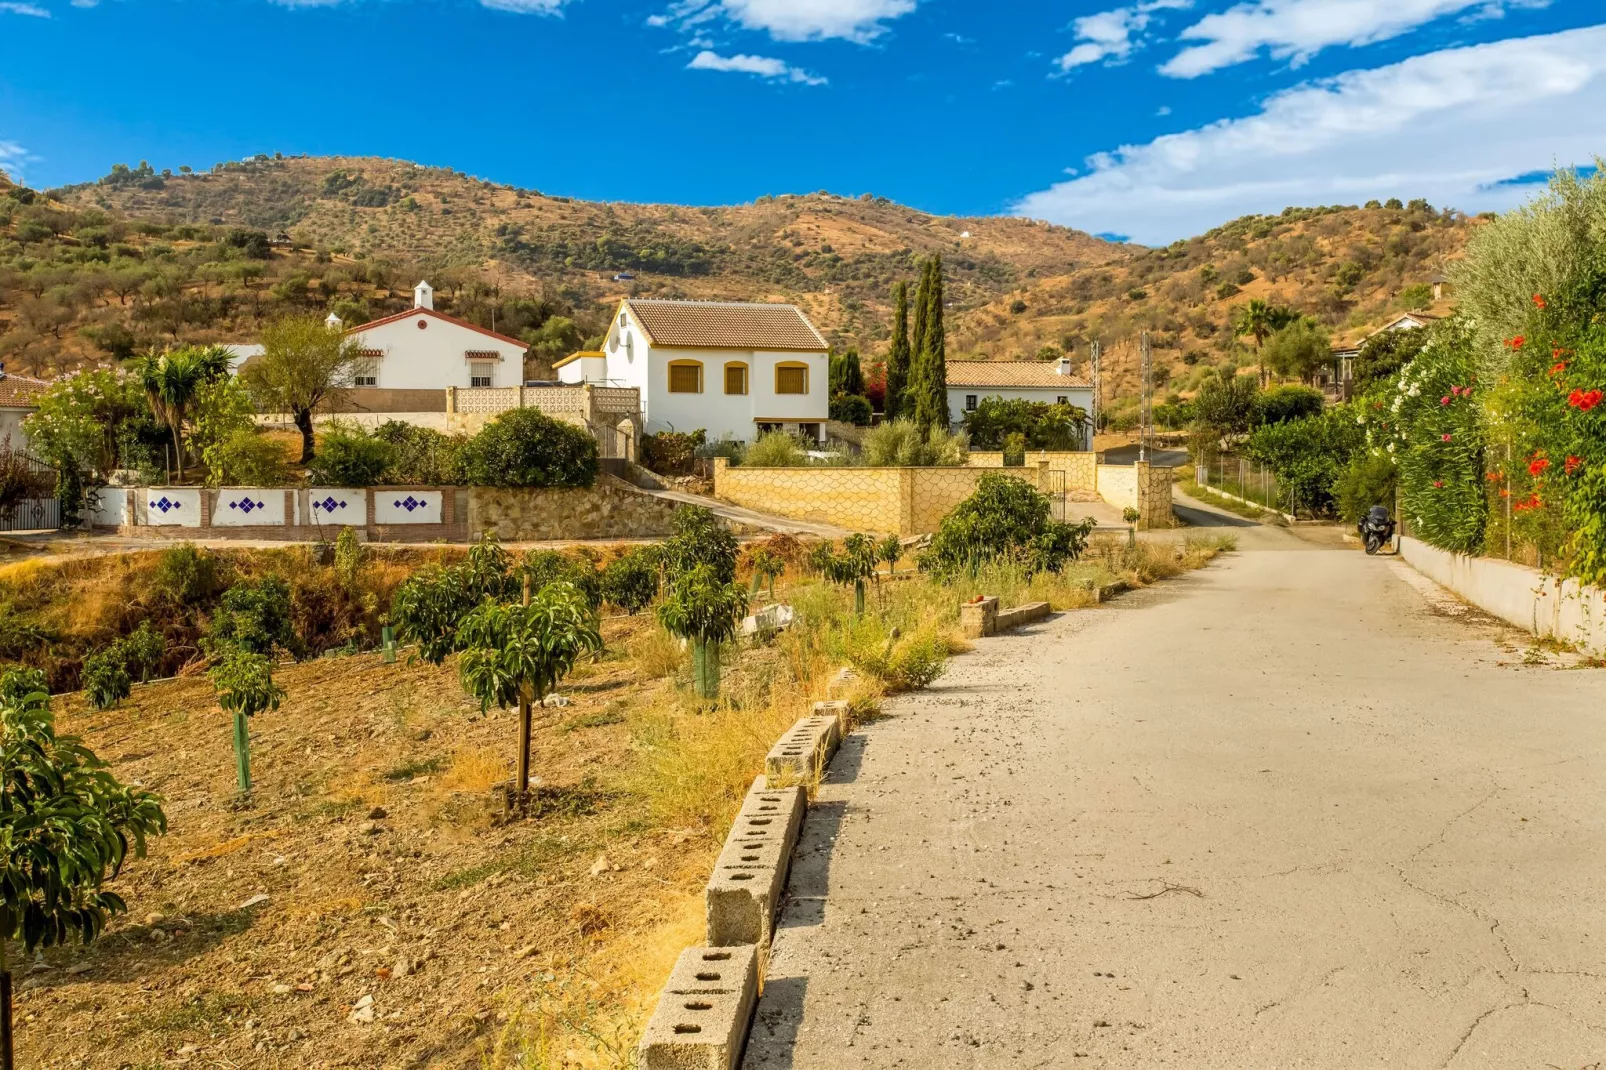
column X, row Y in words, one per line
column 1294, row 810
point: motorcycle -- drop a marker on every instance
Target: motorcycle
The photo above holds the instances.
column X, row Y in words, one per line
column 1376, row 529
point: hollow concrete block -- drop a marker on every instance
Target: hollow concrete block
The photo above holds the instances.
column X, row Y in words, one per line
column 705, row 1011
column 808, row 746
column 745, row 889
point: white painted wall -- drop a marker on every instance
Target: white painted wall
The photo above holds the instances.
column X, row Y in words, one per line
column 631, row 362
column 392, row 506
column 332, row 505
column 170, row 507
column 1079, row 396
column 237, row 508
column 11, row 427
column 432, row 357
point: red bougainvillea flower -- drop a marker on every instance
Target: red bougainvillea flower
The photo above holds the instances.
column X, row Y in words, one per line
column 1537, row 466
column 1572, row 464
column 1505, row 493
column 1533, row 502
column 1516, row 343
column 1495, row 477
column 1438, row 483
column 1584, row 400
column 1445, row 400
column 1539, row 300
column 1446, row 438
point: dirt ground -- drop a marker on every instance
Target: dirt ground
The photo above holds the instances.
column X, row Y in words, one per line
column 363, row 908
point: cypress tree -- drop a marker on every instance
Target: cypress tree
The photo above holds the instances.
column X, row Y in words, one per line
column 898, row 356
column 929, row 387
column 917, row 339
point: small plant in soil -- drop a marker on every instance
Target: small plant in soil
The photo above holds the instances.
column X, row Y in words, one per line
column 703, row 608
column 245, row 688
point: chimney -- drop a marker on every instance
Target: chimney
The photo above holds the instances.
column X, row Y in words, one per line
column 333, row 322
column 423, row 296
column 1063, row 366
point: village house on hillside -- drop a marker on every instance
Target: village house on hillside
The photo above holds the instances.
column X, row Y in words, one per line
column 732, row 369
column 422, row 349
column 1336, row 379
column 19, row 398
column 969, row 381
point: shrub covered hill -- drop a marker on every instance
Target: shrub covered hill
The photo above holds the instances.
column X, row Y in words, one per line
column 143, row 258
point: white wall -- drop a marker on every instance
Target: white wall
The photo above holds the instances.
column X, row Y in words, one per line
column 1079, row 396
column 432, row 358
column 11, row 427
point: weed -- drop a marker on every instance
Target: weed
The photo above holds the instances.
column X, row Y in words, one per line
column 421, row 767
column 612, row 714
column 656, row 653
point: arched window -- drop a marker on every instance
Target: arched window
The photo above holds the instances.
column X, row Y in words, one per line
column 791, row 378
column 735, row 377
column 685, row 377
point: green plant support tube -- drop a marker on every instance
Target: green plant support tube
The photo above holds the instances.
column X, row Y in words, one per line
column 711, row 671
column 242, row 751
column 858, row 598
column 387, row 637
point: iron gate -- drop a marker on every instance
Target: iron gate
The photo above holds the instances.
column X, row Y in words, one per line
column 32, row 513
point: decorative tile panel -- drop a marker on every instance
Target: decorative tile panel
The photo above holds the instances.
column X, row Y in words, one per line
column 239, row 507
column 343, row 507
column 393, row 506
column 173, row 507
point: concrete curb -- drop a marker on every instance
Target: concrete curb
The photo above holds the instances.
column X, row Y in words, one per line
column 984, row 618
column 745, row 889
column 703, row 1015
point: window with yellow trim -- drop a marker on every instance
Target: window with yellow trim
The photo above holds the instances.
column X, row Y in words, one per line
column 685, row 377
column 735, row 377
column 792, row 379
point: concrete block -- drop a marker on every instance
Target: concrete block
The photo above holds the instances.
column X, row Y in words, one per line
column 1020, row 616
column 808, row 745
column 705, row 1011
column 745, row 889
column 979, row 619
column 842, row 683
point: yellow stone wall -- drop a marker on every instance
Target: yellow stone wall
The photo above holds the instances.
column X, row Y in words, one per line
column 860, row 499
column 1080, row 468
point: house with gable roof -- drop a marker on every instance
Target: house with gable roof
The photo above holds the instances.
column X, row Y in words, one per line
column 422, row 349
column 1047, row 382
column 732, row 369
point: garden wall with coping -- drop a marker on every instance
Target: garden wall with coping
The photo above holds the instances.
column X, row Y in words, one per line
column 901, row 501
column 1544, row 606
column 1080, row 468
column 612, row 509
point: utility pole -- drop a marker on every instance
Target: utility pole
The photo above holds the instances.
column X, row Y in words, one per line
column 1098, row 386
column 1145, row 402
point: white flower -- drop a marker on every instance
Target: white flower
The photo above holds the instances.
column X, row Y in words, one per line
column 1391, row 447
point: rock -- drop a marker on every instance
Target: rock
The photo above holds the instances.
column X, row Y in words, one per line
column 423, row 735
column 600, row 866
column 155, row 919
column 255, row 901
column 403, row 967
column 304, row 986
column 363, row 1012
column 80, row 967
column 557, row 701
column 377, row 813
column 282, row 990
column 370, row 828
column 189, row 1049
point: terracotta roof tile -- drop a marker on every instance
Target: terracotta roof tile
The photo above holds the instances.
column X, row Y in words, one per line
column 20, row 391
column 726, row 325
column 1017, row 373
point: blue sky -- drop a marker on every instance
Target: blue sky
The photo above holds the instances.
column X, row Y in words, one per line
column 1156, row 119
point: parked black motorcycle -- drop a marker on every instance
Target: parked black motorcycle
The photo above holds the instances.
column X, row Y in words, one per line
column 1376, row 528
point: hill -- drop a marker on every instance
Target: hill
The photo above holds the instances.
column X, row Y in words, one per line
column 194, row 249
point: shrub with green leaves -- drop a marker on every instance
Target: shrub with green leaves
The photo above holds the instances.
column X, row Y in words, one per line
column 901, row 444
column 18, row 682
column 1005, row 519
column 527, row 448
column 545, row 567
column 775, row 449
column 513, row 651
column 854, row 564
column 187, row 575
column 1282, row 404
column 671, row 453
column 349, row 456
column 704, row 607
column 630, row 581
column 105, row 678
column 421, row 455
column 244, row 683
column 699, row 539
column 1039, row 425
column 348, row 558
column 1308, row 455
column 428, row 607
column 142, row 650
column 255, row 617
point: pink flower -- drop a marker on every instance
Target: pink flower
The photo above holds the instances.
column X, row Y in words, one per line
column 1445, row 400
column 1446, row 438
column 1438, row 483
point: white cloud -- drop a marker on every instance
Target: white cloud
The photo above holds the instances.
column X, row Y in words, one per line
column 792, row 20
column 525, row 7
column 12, row 157
column 1450, row 126
column 24, row 9
column 763, row 66
column 1298, row 29
column 1108, row 35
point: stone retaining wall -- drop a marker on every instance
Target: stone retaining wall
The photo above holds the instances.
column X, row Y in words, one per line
column 613, row 509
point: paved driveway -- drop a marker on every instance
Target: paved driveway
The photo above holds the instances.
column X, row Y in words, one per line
column 1289, row 811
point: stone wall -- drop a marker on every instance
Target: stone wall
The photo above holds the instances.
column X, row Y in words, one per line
column 1080, row 468
column 613, row 509
column 1154, row 496
column 902, row 501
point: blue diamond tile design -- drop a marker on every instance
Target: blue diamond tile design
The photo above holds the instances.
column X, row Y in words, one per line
column 246, row 505
column 410, row 503
column 329, row 504
column 164, row 503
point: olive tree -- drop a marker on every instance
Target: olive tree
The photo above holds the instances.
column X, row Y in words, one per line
column 304, row 363
column 704, row 608
column 66, row 825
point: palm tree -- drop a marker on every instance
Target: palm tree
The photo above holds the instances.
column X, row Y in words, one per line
column 1260, row 319
column 171, row 381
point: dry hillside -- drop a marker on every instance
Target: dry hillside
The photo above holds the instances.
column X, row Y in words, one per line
column 362, row 228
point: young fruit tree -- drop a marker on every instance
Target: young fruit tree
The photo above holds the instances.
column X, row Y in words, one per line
column 245, row 688
column 855, row 564
column 767, row 565
column 890, row 550
column 703, row 608
column 516, row 654
column 66, row 824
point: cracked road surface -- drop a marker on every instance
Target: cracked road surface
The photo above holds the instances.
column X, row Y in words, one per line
column 1288, row 811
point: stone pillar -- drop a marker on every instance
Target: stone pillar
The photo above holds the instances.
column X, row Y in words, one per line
column 1140, row 475
column 451, row 400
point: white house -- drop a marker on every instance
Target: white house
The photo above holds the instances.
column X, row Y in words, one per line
column 19, row 398
column 421, row 349
column 731, row 369
column 1029, row 380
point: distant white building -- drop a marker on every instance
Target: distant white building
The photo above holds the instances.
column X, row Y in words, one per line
column 19, row 398
column 421, row 349
column 1048, row 382
column 731, row 369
